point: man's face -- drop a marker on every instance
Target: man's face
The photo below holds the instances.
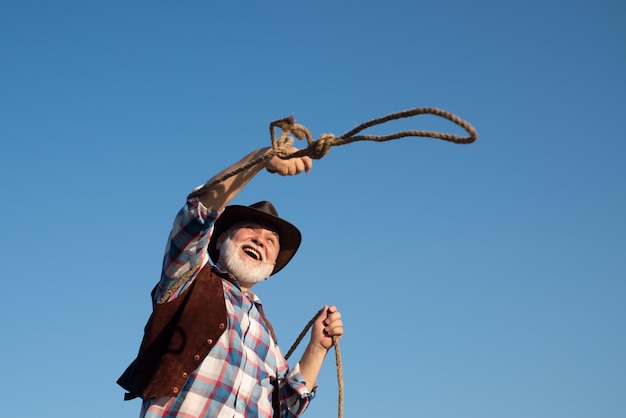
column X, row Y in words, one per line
column 248, row 250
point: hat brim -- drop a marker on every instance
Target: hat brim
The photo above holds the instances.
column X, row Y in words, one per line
column 289, row 236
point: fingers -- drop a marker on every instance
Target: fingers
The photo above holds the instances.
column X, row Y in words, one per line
column 294, row 166
column 333, row 325
column 291, row 166
column 308, row 164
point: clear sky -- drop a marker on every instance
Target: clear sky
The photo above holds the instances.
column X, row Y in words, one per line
column 475, row 281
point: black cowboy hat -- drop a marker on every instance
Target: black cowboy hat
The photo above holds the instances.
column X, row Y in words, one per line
column 265, row 211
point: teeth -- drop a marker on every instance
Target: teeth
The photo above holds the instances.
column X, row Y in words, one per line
column 252, row 253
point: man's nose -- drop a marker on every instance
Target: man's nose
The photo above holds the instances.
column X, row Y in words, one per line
column 258, row 239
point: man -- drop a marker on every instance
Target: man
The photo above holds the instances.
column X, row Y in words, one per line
column 208, row 350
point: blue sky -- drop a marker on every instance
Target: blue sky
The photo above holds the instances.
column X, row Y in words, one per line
column 476, row 281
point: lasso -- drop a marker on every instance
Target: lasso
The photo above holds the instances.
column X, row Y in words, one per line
column 317, row 149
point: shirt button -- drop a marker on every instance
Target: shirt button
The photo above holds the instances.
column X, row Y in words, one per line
column 209, row 341
column 221, row 325
column 196, row 357
column 175, row 389
column 184, row 375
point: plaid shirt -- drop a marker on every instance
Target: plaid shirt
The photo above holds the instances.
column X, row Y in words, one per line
column 234, row 379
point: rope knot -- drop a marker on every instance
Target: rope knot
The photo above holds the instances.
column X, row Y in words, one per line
column 321, row 147
column 280, row 146
column 288, row 126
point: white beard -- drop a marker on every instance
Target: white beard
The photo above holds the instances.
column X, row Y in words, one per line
column 245, row 269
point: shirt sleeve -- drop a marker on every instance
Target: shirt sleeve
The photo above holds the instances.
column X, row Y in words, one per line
column 186, row 249
column 294, row 395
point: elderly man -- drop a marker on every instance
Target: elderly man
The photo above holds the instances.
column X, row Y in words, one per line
column 208, row 350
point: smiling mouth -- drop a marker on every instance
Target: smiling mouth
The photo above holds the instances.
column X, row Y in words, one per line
column 252, row 253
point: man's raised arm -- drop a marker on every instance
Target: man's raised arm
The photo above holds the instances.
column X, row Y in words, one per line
column 218, row 196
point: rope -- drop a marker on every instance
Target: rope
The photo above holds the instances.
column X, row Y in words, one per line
column 317, row 149
column 337, row 359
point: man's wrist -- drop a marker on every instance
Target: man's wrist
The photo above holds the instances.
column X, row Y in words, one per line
column 316, row 348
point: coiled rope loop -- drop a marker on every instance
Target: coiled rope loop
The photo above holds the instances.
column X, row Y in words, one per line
column 317, row 149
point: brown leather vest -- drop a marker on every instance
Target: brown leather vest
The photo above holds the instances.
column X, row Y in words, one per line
column 177, row 337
